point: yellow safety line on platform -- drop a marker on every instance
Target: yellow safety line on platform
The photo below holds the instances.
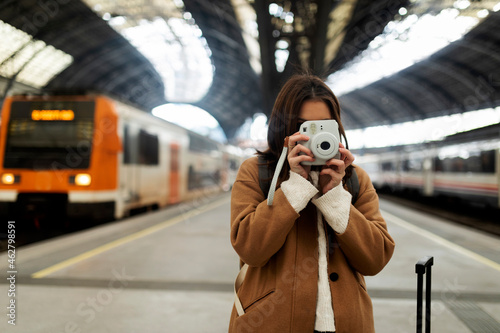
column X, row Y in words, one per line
column 103, row 248
column 442, row 241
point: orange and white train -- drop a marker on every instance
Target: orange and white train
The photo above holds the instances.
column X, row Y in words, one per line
column 464, row 165
column 97, row 158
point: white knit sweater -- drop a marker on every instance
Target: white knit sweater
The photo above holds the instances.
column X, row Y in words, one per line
column 334, row 206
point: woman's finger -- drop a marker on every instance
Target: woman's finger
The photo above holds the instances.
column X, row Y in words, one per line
column 292, row 140
column 335, row 164
column 300, row 148
column 330, row 179
column 346, row 156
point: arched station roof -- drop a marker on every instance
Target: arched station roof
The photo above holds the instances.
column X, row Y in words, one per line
column 321, row 38
column 464, row 76
column 104, row 61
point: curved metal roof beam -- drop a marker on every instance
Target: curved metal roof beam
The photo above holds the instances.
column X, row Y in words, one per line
column 464, row 77
column 92, row 60
column 346, row 111
column 349, row 117
column 401, row 99
column 458, row 75
column 464, row 66
column 139, row 87
column 405, row 84
column 442, row 98
column 365, row 100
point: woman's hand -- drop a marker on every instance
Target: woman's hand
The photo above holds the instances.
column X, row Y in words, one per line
column 294, row 159
column 332, row 173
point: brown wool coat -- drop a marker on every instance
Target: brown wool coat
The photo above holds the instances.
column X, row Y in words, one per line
column 281, row 247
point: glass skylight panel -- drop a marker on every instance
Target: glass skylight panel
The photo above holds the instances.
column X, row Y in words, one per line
column 19, row 60
column 402, row 44
column 36, row 74
column 31, row 61
column 179, row 55
column 169, row 38
column 12, row 40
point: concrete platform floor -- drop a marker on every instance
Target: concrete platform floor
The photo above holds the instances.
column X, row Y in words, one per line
column 173, row 271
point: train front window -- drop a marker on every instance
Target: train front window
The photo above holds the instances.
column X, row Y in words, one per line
column 49, row 135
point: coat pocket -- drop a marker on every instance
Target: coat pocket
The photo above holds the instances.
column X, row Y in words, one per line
column 259, row 283
column 262, row 314
column 255, row 302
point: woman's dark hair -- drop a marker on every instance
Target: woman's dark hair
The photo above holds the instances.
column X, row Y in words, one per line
column 284, row 119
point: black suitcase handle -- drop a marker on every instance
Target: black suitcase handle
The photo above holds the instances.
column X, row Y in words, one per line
column 423, row 265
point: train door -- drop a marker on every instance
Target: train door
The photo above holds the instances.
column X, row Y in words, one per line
column 129, row 181
column 174, row 177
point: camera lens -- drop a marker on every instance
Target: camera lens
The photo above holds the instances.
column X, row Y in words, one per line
column 325, row 145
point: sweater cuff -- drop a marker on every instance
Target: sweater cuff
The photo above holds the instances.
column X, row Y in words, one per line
column 335, row 205
column 298, row 191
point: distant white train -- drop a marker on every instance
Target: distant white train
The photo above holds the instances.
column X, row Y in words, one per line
column 464, row 165
column 95, row 157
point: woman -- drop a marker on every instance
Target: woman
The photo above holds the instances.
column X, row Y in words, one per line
column 308, row 252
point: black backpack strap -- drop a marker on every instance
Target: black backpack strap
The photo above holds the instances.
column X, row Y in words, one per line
column 353, row 186
column 264, row 175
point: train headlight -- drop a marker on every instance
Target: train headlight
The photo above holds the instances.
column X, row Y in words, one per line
column 10, row 178
column 81, row 179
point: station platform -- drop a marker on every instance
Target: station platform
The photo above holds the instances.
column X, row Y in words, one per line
column 173, row 271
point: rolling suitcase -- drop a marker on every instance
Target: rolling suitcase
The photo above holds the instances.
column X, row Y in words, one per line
column 424, row 267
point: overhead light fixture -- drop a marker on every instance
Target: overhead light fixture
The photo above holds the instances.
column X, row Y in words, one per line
column 483, row 13
column 461, row 4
